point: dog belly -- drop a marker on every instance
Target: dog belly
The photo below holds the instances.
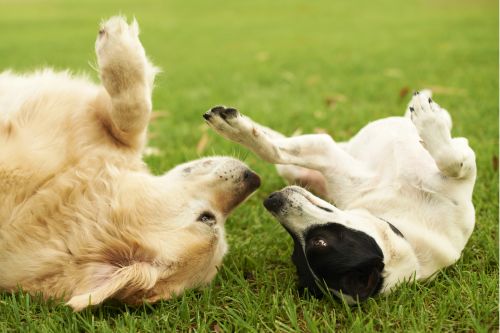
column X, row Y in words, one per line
column 391, row 148
column 380, row 139
column 45, row 122
column 408, row 184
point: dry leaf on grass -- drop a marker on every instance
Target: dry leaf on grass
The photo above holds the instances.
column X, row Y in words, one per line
column 216, row 328
column 202, row 143
column 332, row 100
column 404, row 91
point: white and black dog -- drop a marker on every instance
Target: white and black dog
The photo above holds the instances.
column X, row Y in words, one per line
column 402, row 189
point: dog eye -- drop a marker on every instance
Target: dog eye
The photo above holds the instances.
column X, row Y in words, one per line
column 206, row 217
column 320, row 243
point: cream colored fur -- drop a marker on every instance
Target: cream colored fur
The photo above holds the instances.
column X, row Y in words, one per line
column 81, row 217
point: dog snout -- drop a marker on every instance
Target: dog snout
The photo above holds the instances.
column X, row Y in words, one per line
column 251, row 179
column 274, row 202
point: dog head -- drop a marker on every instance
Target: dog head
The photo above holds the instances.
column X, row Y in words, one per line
column 353, row 254
column 166, row 233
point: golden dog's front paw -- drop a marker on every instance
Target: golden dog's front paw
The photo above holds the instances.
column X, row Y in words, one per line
column 116, row 35
column 121, row 58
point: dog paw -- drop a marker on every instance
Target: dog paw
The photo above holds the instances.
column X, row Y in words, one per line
column 222, row 112
column 429, row 119
column 424, row 111
column 228, row 122
column 120, row 55
column 116, row 36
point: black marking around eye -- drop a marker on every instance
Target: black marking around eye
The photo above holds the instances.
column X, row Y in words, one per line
column 353, row 263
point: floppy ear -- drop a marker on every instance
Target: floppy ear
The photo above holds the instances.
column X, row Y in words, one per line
column 362, row 283
column 306, row 279
column 110, row 280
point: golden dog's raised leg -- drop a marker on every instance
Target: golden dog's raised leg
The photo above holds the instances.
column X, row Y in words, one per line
column 127, row 77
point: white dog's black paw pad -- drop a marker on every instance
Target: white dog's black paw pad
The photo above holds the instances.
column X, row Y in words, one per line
column 222, row 112
column 229, row 113
column 217, row 109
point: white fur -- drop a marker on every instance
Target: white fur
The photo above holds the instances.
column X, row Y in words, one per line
column 406, row 170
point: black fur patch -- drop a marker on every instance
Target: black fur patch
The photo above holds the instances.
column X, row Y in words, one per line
column 352, row 262
column 306, row 278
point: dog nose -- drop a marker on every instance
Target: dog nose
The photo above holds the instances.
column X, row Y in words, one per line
column 251, row 178
column 274, row 202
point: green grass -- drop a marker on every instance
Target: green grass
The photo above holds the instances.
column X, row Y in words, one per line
column 281, row 62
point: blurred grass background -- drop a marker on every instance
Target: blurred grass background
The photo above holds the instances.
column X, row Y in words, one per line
column 311, row 66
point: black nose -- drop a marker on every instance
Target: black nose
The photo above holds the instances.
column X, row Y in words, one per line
column 274, row 202
column 251, row 178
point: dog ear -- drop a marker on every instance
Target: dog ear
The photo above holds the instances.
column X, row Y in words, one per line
column 363, row 283
column 120, row 269
column 306, row 279
column 108, row 281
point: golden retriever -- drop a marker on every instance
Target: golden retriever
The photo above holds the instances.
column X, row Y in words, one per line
column 81, row 217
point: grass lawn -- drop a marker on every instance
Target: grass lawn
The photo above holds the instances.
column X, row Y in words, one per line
column 294, row 65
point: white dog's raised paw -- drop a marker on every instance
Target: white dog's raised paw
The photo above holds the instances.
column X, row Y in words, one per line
column 222, row 112
column 429, row 119
column 228, row 122
column 223, row 119
column 423, row 111
column 422, row 102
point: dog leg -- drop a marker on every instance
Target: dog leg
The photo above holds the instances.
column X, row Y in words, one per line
column 127, row 77
column 453, row 157
column 314, row 151
column 293, row 174
column 307, row 178
column 443, row 113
